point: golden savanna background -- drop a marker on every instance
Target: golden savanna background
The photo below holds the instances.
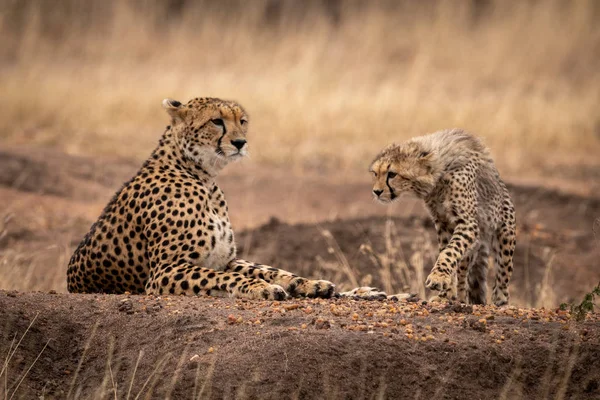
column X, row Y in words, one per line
column 327, row 84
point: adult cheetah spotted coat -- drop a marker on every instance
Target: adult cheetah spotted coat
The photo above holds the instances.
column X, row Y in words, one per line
column 168, row 231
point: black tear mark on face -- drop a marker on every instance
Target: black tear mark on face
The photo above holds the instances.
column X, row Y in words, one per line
column 387, row 182
column 219, row 149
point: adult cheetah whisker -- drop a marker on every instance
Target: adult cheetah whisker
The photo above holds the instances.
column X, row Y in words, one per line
column 174, row 197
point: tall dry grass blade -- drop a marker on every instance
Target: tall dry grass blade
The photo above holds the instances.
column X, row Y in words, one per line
column 140, row 355
column 177, row 372
column 5, row 366
column 545, row 297
column 526, row 272
column 158, row 366
column 510, row 381
column 209, row 377
column 112, row 379
column 382, row 389
column 101, row 390
column 29, row 369
column 441, row 387
column 343, row 261
column 196, row 379
column 546, row 381
column 564, row 383
column 17, row 346
column 85, row 350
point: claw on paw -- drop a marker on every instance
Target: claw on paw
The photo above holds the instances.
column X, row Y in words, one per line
column 438, row 281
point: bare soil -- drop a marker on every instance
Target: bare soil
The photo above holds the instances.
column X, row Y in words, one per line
column 310, row 349
column 318, row 226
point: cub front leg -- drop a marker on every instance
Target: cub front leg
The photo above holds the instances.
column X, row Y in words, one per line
column 295, row 285
column 443, row 276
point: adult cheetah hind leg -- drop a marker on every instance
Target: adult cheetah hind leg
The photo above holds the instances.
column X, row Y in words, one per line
column 295, row 285
column 191, row 280
column 504, row 247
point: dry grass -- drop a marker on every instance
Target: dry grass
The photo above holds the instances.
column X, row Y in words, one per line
column 327, row 83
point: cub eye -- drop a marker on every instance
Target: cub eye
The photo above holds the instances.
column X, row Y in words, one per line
column 218, row 122
column 243, row 122
column 392, row 175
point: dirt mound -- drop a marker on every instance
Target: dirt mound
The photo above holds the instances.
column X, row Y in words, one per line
column 90, row 346
column 396, row 253
column 310, row 349
column 47, row 172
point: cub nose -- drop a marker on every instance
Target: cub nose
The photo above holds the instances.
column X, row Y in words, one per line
column 238, row 143
column 377, row 192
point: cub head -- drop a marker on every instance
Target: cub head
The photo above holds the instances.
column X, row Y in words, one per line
column 401, row 168
column 209, row 131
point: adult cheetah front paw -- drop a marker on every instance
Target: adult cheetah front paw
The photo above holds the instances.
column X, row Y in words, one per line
column 439, row 281
column 265, row 291
column 301, row 287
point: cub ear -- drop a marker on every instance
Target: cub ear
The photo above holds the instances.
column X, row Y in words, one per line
column 175, row 109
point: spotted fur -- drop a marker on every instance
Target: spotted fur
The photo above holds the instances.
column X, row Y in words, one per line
column 471, row 208
column 167, row 230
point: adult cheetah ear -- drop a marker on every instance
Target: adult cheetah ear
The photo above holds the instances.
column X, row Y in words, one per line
column 175, row 109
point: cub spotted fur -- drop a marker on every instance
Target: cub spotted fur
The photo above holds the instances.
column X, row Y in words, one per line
column 452, row 171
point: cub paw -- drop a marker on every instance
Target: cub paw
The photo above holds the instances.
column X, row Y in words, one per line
column 439, row 281
column 301, row 287
column 500, row 299
column 439, row 299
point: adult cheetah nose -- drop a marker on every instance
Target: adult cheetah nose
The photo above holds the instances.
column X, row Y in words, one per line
column 377, row 192
column 238, row 143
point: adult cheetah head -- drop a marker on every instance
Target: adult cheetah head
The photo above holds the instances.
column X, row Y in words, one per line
column 402, row 168
column 209, row 131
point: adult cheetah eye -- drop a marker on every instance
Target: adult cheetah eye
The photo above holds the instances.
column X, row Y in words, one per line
column 218, row 122
column 243, row 122
column 392, row 175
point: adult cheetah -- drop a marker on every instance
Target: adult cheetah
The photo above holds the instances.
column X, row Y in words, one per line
column 452, row 171
column 167, row 230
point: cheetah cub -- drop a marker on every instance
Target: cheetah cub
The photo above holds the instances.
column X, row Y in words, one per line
column 452, row 171
column 167, row 230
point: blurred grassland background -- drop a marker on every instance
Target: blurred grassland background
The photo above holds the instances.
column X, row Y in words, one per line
column 326, row 83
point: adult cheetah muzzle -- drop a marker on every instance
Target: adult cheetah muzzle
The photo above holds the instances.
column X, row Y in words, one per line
column 167, row 230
